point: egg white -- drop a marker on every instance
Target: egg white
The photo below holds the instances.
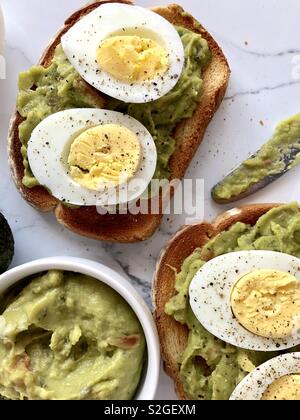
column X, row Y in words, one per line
column 210, row 293
column 254, row 386
column 80, row 44
column 49, row 147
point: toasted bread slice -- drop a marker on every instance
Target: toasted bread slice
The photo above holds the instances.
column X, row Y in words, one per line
column 188, row 134
column 174, row 336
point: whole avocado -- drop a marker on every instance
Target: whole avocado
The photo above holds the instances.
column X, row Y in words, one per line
column 6, row 245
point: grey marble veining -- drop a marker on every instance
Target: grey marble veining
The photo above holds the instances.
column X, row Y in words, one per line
column 263, row 89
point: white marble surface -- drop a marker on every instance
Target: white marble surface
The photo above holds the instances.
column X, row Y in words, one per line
column 261, row 40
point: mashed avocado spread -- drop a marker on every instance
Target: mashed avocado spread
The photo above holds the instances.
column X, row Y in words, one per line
column 45, row 91
column 211, row 369
column 268, row 161
column 67, row 336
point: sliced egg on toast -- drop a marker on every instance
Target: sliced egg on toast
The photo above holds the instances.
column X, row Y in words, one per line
column 89, row 157
column 127, row 52
column 276, row 380
column 250, row 299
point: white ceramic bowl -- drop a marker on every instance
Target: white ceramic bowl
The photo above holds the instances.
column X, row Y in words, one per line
column 104, row 274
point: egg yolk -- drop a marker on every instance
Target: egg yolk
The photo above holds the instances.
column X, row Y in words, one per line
column 132, row 59
column 104, row 154
column 286, row 388
column 267, row 303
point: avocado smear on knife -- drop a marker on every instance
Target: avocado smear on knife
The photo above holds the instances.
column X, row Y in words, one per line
column 67, row 336
column 45, row 91
column 267, row 162
column 211, row 369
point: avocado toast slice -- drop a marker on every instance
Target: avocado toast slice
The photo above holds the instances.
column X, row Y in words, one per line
column 188, row 135
column 176, row 337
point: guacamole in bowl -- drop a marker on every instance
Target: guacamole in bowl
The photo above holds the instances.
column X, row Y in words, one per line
column 65, row 335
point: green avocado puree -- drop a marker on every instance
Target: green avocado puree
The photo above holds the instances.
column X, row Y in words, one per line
column 67, row 336
column 209, row 368
column 267, row 162
column 44, row 91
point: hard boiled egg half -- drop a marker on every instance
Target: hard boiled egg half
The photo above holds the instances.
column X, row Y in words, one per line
column 250, row 299
column 127, row 52
column 276, row 380
column 89, row 157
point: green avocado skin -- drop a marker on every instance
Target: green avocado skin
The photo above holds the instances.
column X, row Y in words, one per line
column 7, row 245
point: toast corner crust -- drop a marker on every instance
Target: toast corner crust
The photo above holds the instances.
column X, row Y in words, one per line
column 188, row 135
